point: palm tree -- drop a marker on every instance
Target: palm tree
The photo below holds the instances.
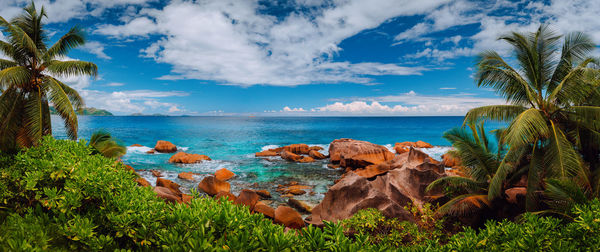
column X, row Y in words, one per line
column 106, row 145
column 479, row 160
column 28, row 80
column 546, row 112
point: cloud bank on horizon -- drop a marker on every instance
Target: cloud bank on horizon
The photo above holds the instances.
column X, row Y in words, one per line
column 302, row 57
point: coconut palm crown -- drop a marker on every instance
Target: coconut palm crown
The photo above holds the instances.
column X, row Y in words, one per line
column 28, row 80
column 552, row 92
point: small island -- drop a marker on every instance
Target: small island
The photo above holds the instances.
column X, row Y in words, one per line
column 86, row 111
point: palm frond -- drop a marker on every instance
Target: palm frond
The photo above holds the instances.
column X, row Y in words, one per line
column 494, row 112
column 526, row 128
column 506, row 166
column 4, row 63
column 70, row 40
column 564, row 194
column 34, row 117
column 480, row 163
column 457, row 182
column 576, row 47
column 534, row 177
column 107, row 145
column 17, row 76
column 71, row 68
column 63, row 105
column 561, row 159
column 494, row 72
column 10, row 117
column 464, row 204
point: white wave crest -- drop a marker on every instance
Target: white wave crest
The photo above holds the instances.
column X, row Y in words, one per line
column 138, row 149
column 268, row 147
column 437, row 151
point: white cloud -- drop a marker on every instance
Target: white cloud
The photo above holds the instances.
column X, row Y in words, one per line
column 524, row 16
column 134, row 101
column 410, row 103
column 96, row 48
column 65, row 10
column 231, row 42
column 447, row 88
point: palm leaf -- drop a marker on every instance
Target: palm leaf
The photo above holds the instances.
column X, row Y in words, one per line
column 71, row 68
column 70, row 40
column 457, row 182
column 526, row 128
column 63, row 105
column 561, row 158
column 464, row 204
column 564, row 194
column 534, row 177
column 493, row 112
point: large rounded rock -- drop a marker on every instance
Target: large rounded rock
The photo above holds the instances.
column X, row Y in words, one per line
column 224, row 174
column 174, row 187
column 354, row 154
column 262, row 208
column 297, row 148
column 165, row 147
column 288, row 217
column 212, row 186
column 247, row 198
column 186, row 158
column 389, row 192
column 166, row 194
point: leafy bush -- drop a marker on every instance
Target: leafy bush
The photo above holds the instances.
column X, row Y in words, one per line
column 60, row 196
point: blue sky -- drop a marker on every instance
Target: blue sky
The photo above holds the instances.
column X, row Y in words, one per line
column 302, row 57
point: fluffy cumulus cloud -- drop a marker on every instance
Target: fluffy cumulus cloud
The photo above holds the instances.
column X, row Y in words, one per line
column 233, row 42
column 133, row 101
column 522, row 16
column 410, row 103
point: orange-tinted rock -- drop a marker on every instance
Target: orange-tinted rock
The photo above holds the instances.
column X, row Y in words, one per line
column 185, row 198
column 266, row 153
column 229, row 196
column 247, row 198
column 262, row 208
column 165, row 147
column 152, row 151
column 288, row 217
column 186, row 158
column 516, row 194
column 316, row 148
column 211, row 185
column 297, row 148
column 174, row 187
column 166, row 194
column 306, row 159
column 354, row 154
column 373, row 170
column 289, row 156
column 297, row 191
column 129, row 168
column 142, row 182
column 402, row 147
column 450, row 160
column 186, row 175
column 136, row 145
column 263, row 194
column 316, row 155
column 156, row 173
column 421, row 144
column 224, row 174
column 299, row 205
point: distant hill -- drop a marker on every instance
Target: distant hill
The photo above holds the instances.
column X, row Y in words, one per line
column 86, row 111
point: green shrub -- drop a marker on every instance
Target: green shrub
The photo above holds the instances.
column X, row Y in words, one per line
column 61, row 197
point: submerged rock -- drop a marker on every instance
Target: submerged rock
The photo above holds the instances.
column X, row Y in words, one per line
column 212, row 186
column 186, row 158
column 224, row 174
column 165, row 147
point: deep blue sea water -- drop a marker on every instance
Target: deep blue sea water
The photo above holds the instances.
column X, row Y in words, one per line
column 232, row 141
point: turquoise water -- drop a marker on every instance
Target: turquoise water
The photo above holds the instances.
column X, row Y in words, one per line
column 232, row 141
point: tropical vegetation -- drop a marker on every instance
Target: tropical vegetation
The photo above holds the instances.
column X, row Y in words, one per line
column 61, row 196
column 28, row 80
column 102, row 142
column 552, row 114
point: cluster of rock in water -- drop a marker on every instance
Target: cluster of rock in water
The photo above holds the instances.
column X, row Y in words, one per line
column 373, row 177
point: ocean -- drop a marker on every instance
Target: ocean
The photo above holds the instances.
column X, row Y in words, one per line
column 232, row 141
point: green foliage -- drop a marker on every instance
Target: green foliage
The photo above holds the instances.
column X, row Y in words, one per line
column 59, row 196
